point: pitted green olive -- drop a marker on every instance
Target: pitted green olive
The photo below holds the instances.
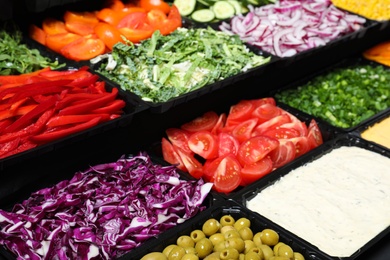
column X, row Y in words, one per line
column 176, row 253
column 197, row 235
column 204, row 247
column 211, row 226
column 155, row 256
column 227, row 220
column 185, row 241
column 242, row 222
column 216, row 238
column 229, row 253
column 269, row 237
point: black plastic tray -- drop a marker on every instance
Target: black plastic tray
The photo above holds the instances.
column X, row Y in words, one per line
column 341, row 140
column 237, row 211
column 131, row 108
column 354, row 60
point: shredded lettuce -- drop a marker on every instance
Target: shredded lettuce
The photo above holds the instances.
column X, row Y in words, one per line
column 103, row 212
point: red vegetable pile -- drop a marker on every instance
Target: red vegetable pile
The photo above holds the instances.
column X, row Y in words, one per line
column 255, row 138
column 291, row 26
column 101, row 213
column 46, row 105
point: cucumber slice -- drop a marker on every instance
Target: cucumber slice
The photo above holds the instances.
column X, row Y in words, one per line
column 185, row 7
column 237, row 6
column 203, row 15
column 205, row 3
column 223, row 10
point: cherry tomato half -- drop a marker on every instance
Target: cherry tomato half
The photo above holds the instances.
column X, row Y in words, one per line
column 255, row 149
column 155, row 5
column 204, row 144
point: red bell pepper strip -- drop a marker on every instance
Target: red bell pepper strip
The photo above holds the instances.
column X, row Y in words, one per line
column 66, row 74
column 9, row 146
column 84, row 82
column 55, row 135
column 111, row 107
column 22, row 78
column 4, row 123
column 27, row 118
column 71, row 98
column 74, row 119
column 29, row 130
column 89, row 105
column 18, row 112
column 24, row 146
column 17, row 104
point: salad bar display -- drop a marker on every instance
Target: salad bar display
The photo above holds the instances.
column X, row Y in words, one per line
column 254, row 129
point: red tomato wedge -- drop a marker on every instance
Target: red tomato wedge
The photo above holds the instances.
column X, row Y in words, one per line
column 204, row 144
column 109, row 34
column 282, row 133
column 179, row 138
column 134, row 35
column 228, row 144
column 37, row 34
column 136, row 20
column 56, row 42
column 283, row 154
column 170, row 155
column 193, row 166
column 155, row 5
column 240, row 112
column 206, row 122
column 253, row 172
column 255, row 149
column 314, row 135
column 220, row 124
column 243, row 131
column 302, row 145
column 53, row 26
column 225, row 172
column 84, row 48
column 271, row 124
column 172, row 22
column 265, row 112
column 261, row 101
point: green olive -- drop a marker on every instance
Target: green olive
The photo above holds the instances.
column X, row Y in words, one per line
column 267, row 251
column 197, row 235
column 225, row 229
column 235, row 242
column 204, row 247
column 246, row 233
column 298, row 256
column 168, row 249
column 256, row 250
column 252, row 256
column 212, row 256
column 211, row 226
column 216, row 238
column 269, row 237
column 185, row 241
column 231, row 233
column 229, row 253
column 241, row 256
column 276, row 247
column 190, row 250
column 176, row 253
column 279, row 258
column 248, row 245
column 242, row 222
column 220, row 246
column 190, row 257
column 286, row 251
column 227, row 220
column 155, row 256
column 257, row 239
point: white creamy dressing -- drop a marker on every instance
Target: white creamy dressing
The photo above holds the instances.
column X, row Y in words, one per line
column 338, row 202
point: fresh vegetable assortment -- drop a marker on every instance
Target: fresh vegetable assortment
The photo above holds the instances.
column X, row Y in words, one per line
column 379, row 53
column 164, row 67
column 372, row 9
column 290, row 27
column 103, row 212
column 17, row 58
column 344, row 97
column 85, row 35
column 46, row 105
column 240, row 147
column 204, row 11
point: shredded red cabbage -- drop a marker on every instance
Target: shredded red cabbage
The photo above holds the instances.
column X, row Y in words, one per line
column 103, row 212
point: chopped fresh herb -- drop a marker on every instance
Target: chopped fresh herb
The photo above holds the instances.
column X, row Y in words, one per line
column 164, row 67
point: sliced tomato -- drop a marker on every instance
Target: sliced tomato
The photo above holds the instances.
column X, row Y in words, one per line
column 109, row 16
column 53, row 26
column 80, row 17
column 282, row 133
column 273, row 123
column 261, row 101
column 227, row 144
column 243, row 131
column 134, row 35
column 225, row 172
column 56, row 42
column 314, row 135
column 179, row 138
column 220, row 124
column 240, row 112
column 135, row 20
column 170, row 24
column 156, row 18
column 206, row 122
column 85, row 48
column 253, row 172
column 116, row 5
column 204, row 144
column 155, row 5
column 302, row 145
column 170, row 155
column 283, row 154
column 265, row 112
column 193, row 166
column 296, row 124
column 255, row 149
column 37, row 34
column 109, row 34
